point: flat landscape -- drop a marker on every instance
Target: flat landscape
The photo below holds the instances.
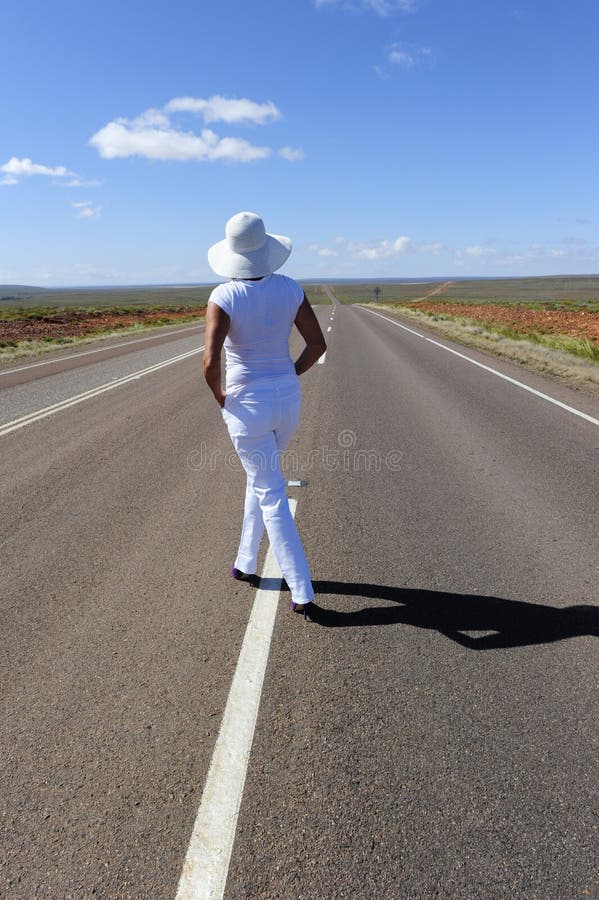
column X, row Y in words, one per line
column 567, row 290
column 34, row 320
column 524, row 319
column 57, row 324
column 549, row 324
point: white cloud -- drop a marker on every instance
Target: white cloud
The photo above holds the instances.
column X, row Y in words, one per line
column 16, row 168
column 90, row 212
column 79, row 183
column 381, row 249
column 151, row 118
column 292, row 154
column 380, row 7
column 25, row 167
column 382, row 72
column 435, row 248
column 226, row 109
column 86, row 210
column 122, row 138
column 477, row 251
column 153, row 136
column 384, row 249
column 322, row 251
column 404, row 56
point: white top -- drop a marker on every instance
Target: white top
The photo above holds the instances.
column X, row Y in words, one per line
column 262, row 315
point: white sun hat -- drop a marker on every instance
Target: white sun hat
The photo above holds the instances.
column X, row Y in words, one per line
column 247, row 250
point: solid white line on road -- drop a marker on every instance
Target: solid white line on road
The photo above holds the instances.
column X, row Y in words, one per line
column 206, row 865
column 150, row 337
column 526, row 387
column 93, row 392
column 322, row 358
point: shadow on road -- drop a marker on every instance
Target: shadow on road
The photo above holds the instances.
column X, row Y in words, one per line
column 496, row 622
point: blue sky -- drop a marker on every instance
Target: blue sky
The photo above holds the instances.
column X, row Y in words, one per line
column 387, row 138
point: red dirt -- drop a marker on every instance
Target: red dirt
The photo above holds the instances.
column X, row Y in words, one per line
column 575, row 323
column 78, row 323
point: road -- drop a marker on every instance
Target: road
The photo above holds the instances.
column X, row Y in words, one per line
column 432, row 734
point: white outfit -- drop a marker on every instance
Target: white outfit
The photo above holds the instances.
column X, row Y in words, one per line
column 261, row 411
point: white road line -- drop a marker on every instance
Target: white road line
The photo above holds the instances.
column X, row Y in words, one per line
column 206, row 865
column 322, row 358
column 87, row 395
column 150, row 337
column 329, row 328
column 525, row 387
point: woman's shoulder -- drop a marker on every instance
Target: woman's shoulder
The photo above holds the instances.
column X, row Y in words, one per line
column 289, row 285
column 223, row 288
column 223, row 295
column 283, row 279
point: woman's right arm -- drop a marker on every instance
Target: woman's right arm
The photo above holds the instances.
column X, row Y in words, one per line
column 309, row 328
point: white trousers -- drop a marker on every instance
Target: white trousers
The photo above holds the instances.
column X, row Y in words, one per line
column 262, row 418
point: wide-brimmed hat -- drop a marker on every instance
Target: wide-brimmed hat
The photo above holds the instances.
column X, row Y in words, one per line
column 247, row 250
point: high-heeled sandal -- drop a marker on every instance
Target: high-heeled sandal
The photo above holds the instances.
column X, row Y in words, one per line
column 305, row 608
column 238, row 575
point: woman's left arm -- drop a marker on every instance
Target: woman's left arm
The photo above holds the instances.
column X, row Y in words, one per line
column 217, row 326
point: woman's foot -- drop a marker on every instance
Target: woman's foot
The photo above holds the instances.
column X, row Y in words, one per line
column 308, row 609
column 238, row 575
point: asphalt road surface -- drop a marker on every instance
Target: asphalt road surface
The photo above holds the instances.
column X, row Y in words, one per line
column 432, row 734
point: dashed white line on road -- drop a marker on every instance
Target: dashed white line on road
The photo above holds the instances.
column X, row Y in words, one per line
column 322, row 358
column 206, row 865
column 526, row 387
column 93, row 392
column 329, row 328
column 150, row 337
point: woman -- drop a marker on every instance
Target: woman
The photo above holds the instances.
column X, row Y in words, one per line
column 252, row 315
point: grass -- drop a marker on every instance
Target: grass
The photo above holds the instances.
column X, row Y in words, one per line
column 561, row 293
column 390, row 293
column 21, row 298
column 581, row 347
column 555, row 355
column 572, row 293
column 44, row 313
column 136, row 298
column 11, row 349
column 18, row 303
column 568, row 293
column 316, row 294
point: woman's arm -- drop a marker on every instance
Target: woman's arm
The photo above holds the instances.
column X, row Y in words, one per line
column 217, row 326
column 309, row 328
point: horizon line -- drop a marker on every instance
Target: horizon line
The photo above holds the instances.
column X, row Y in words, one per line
column 331, row 279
